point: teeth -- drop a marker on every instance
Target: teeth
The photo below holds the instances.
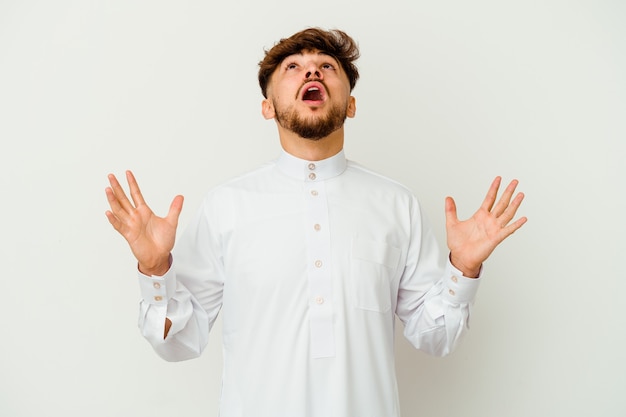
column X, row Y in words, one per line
column 313, row 89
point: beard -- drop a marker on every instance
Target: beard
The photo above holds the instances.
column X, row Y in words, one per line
column 312, row 128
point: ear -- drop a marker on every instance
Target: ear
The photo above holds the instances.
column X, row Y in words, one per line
column 351, row 111
column 267, row 109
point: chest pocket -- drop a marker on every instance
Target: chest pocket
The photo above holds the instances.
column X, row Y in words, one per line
column 373, row 265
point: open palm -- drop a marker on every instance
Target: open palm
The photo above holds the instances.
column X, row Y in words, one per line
column 471, row 241
column 151, row 238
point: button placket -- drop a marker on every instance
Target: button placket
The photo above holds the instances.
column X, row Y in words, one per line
column 318, row 271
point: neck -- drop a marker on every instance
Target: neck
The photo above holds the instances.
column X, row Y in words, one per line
column 311, row 150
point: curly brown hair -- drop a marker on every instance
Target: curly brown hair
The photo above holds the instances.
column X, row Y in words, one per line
column 335, row 43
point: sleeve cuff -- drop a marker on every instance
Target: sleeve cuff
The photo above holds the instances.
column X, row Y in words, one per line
column 157, row 290
column 458, row 289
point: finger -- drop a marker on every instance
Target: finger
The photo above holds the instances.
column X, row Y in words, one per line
column 513, row 227
column 175, row 208
column 451, row 214
column 115, row 222
column 505, row 199
column 119, row 193
column 114, row 202
column 511, row 210
column 490, row 198
column 135, row 192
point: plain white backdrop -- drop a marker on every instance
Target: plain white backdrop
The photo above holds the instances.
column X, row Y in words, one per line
column 452, row 93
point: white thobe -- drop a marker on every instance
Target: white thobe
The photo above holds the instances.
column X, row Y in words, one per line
column 309, row 262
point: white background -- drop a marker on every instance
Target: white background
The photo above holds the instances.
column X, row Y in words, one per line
column 452, row 93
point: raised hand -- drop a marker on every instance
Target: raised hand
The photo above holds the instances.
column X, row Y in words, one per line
column 472, row 241
column 151, row 238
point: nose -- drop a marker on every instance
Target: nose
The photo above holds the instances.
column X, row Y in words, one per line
column 313, row 72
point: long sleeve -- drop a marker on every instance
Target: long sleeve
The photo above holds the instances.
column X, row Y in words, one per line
column 434, row 307
column 189, row 294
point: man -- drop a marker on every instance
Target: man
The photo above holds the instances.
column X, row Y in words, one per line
column 308, row 257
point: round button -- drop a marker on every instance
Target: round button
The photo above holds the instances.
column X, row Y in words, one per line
column 314, row 193
column 454, row 278
column 318, row 264
column 158, row 298
column 451, row 292
column 317, row 227
column 156, row 285
column 319, row 300
column 312, row 176
column 311, row 166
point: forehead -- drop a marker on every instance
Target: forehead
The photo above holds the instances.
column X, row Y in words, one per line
column 310, row 53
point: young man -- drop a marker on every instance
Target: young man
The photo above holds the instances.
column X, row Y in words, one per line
column 308, row 258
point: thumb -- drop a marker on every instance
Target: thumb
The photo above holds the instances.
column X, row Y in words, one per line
column 175, row 208
column 451, row 216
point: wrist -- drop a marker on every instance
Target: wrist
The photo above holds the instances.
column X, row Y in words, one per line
column 468, row 269
column 158, row 267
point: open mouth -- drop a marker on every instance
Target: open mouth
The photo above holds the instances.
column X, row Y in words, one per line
column 313, row 93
